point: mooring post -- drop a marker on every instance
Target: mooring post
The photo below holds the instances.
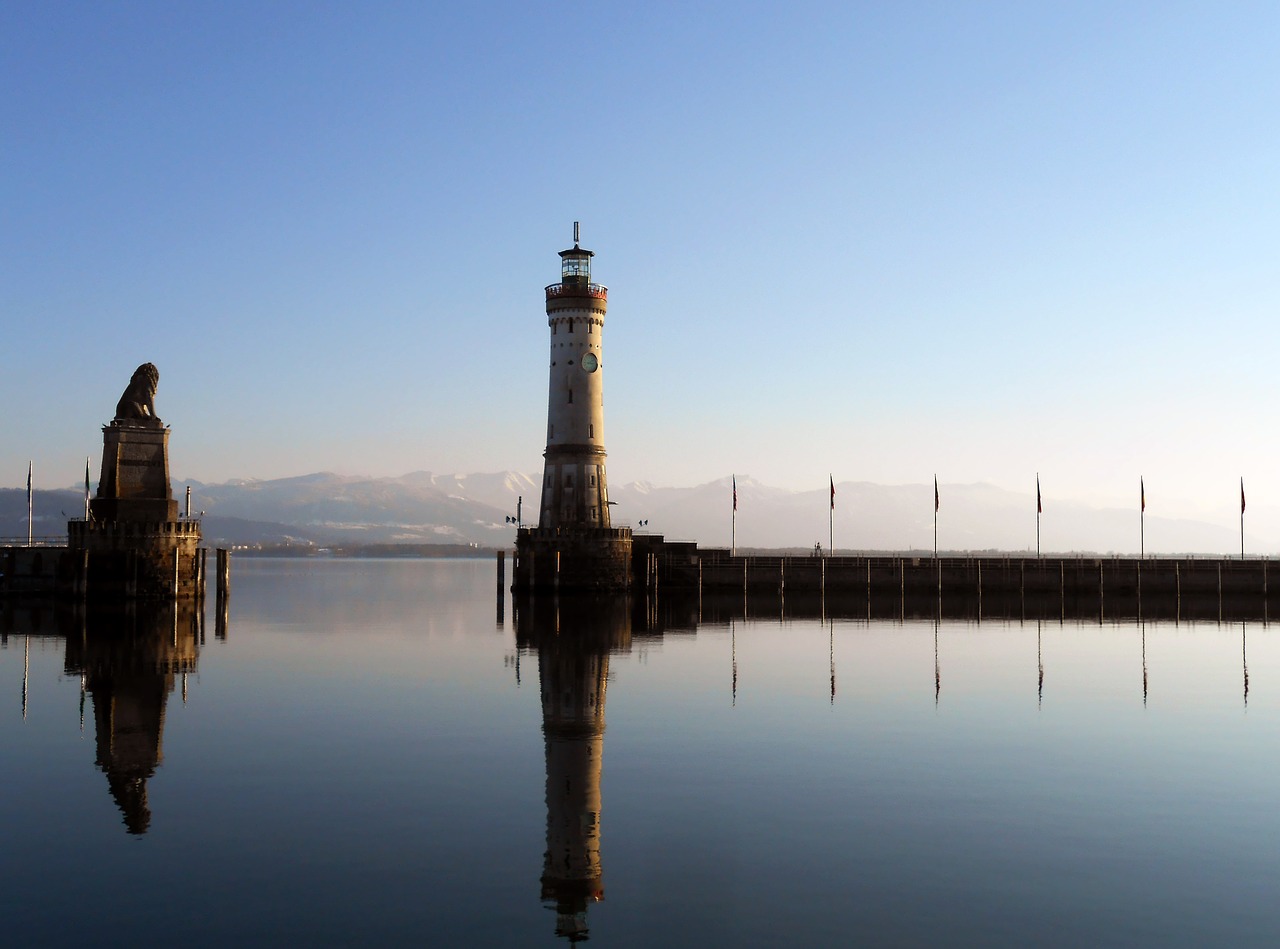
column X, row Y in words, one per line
column 782, row 574
column 1219, row 591
column 223, row 565
column 979, row 591
column 502, row 570
column 1102, row 593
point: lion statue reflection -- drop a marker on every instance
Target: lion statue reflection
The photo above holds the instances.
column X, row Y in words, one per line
column 138, row 401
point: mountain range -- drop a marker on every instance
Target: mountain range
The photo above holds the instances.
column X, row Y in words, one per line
column 326, row 509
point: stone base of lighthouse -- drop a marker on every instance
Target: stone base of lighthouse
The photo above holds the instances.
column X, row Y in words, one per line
column 573, row 558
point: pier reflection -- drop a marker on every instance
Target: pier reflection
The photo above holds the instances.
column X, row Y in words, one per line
column 573, row 640
column 129, row 660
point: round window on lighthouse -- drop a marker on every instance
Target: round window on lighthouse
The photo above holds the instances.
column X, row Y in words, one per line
column 590, row 362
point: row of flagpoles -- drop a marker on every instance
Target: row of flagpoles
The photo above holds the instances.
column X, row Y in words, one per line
column 937, row 504
column 31, row 500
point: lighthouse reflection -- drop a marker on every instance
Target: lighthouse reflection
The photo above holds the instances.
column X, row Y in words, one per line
column 573, row 639
column 129, row 661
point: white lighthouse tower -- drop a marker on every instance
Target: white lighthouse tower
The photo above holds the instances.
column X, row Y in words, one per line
column 575, row 543
column 574, row 487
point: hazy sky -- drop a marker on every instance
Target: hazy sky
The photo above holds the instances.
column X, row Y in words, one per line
column 873, row 239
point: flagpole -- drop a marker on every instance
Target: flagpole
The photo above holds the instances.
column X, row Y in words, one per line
column 1039, row 509
column 936, row 562
column 1142, row 520
column 30, row 507
column 733, row 524
column 831, row 520
column 935, row 517
column 1242, row 518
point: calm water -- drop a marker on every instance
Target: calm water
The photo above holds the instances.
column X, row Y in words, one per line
column 371, row 756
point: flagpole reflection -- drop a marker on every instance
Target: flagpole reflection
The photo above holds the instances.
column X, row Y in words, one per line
column 733, row 652
column 1040, row 665
column 1144, row 664
column 1244, row 660
column 831, row 657
column 937, row 668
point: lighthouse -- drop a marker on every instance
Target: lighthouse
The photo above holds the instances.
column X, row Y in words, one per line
column 575, row 544
column 574, row 488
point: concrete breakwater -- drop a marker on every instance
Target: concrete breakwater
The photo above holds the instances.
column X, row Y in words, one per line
column 1186, row 576
column 142, row 570
column 1188, row 587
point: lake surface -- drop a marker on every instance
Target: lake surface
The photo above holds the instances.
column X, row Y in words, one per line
column 376, row 753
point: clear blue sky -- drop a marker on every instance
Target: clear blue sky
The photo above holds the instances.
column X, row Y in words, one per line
column 874, row 239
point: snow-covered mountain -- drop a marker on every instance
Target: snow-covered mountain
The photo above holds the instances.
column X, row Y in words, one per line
column 423, row 507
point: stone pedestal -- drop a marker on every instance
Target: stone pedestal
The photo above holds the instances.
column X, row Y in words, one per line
column 134, row 545
column 573, row 558
column 135, row 474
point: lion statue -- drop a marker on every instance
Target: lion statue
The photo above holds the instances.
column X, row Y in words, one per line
column 138, row 401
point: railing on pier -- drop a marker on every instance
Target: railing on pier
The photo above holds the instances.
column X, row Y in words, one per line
column 48, row 540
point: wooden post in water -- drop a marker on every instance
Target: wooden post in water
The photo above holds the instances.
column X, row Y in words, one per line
column 1219, row 591
column 501, row 588
column 222, row 587
column 1102, row 594
column 223, row 566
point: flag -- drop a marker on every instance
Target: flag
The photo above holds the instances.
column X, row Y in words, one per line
column 735, row 491
column 1242, row 495
column 1142, row 488
column 1039, row 506
column 28, row 481
column 833, row 492
column 935, row 494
